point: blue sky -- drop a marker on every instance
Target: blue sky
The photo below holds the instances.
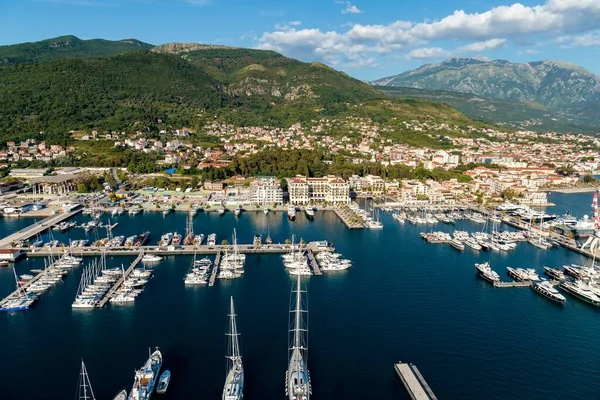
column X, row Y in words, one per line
column 367, row 39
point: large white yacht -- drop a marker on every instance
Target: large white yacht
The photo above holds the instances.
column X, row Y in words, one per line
column 234, row 382
column 297, row 384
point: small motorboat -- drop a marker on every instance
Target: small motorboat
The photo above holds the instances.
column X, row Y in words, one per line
column 163, row 382
column 122, row 395
column 3, row 263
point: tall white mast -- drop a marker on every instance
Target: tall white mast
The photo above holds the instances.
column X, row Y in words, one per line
column 85, row 386
column 233, row 333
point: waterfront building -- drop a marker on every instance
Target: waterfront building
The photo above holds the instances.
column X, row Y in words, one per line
column 329, row 189
column 265, row 190
column 54, row 184
column 28, row 173
column 213, row 185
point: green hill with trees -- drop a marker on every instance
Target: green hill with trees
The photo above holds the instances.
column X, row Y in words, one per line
column 67, row 47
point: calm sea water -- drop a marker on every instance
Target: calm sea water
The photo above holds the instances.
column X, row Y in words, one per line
column 403, row 299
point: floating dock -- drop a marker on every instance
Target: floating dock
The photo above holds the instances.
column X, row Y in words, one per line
column 171, row 251
column 512, row 284
column 345, row 220
column 20, row 290
column 215, row 269
column 314, row 265
column 414, row 382
column 109, row 295
column 37, row 227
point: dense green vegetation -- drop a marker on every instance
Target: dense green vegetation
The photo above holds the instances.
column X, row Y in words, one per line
column 67, row 47
column 169, row 88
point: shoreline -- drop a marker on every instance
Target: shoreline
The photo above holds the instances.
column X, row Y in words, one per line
column 574, row 190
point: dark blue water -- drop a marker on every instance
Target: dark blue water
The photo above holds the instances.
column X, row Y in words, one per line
column 403, row 299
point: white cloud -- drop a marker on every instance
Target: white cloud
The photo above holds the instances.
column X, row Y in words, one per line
column 478, row 31
column 351, row 9
column 585, row 40
column 294, row 23
column 483, row 46
column 285, row 26
column 428, row 52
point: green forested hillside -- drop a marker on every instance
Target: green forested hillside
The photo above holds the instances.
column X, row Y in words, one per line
column 191, row 85
column 104, row 93
column 67, row 47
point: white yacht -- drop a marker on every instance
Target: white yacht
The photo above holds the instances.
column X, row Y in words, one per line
column 520, row 274
column 146, row 378
column 151, row 258
column 546, row 289
column 457, row 244
column 211, row 240
column 309, row 211
column 234, row 381
column 84, row 387
column 291, row 212
column 486, row 272
column 266, row 210
column 297, row 383
column 582, row 291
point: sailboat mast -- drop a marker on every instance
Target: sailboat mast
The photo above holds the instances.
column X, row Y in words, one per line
column 298, row 319
column 85, row 385
column 235, row 351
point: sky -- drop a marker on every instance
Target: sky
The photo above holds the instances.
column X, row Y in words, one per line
column 368, row 39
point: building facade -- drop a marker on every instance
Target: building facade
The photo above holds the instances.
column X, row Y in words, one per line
column 329, row 189
column 265, row 190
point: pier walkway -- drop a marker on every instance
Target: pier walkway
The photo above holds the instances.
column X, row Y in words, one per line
column 37, row 227
column 413, row 381
column 21, row 289
column 512, row 284
column 215, row 270
column 345, row 217
column 313, row 262
column 109, row 295
column 179, row 250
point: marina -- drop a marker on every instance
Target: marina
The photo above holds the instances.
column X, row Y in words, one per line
column 391, row 294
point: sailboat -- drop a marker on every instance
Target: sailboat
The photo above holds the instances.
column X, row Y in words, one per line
column 373, row 222
column 297, row 384
column 234, row 382
column 85, row 391
column 189, row 231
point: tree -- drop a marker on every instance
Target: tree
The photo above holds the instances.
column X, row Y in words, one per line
column 587, row 178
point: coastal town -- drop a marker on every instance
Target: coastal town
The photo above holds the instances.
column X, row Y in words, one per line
column 494, row 166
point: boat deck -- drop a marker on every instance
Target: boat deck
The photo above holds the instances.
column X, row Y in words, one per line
column 109, row 295
column 413, row 381
column 37, row 227
column 215, row 269
column 313, row 262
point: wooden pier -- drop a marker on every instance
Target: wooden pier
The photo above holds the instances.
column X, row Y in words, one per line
column 37, row 227
column 413, row 381
column 313, row 262
column 215, row 269
column 170, row 251
column 109, row 295
column 512, row 284
column 346, row 220
column 21, row 288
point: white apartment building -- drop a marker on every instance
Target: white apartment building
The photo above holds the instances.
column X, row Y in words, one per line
column 329, row 189
column 265, row 190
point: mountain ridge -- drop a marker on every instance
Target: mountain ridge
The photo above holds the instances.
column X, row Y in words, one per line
column 67, row 46
column 569, row 90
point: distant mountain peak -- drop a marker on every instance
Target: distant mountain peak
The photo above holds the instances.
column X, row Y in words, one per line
column 561, row 86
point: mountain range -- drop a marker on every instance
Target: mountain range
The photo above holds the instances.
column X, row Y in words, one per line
column 563, row 92
column 64, row 84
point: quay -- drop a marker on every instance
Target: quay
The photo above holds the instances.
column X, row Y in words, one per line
column 413, row 381
column 215, row 269
column 171, row 251
column 313, row 262
column 514, row 284
column 109, row 295
column 346, row 218
column 38, row 227
column 19, row 290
